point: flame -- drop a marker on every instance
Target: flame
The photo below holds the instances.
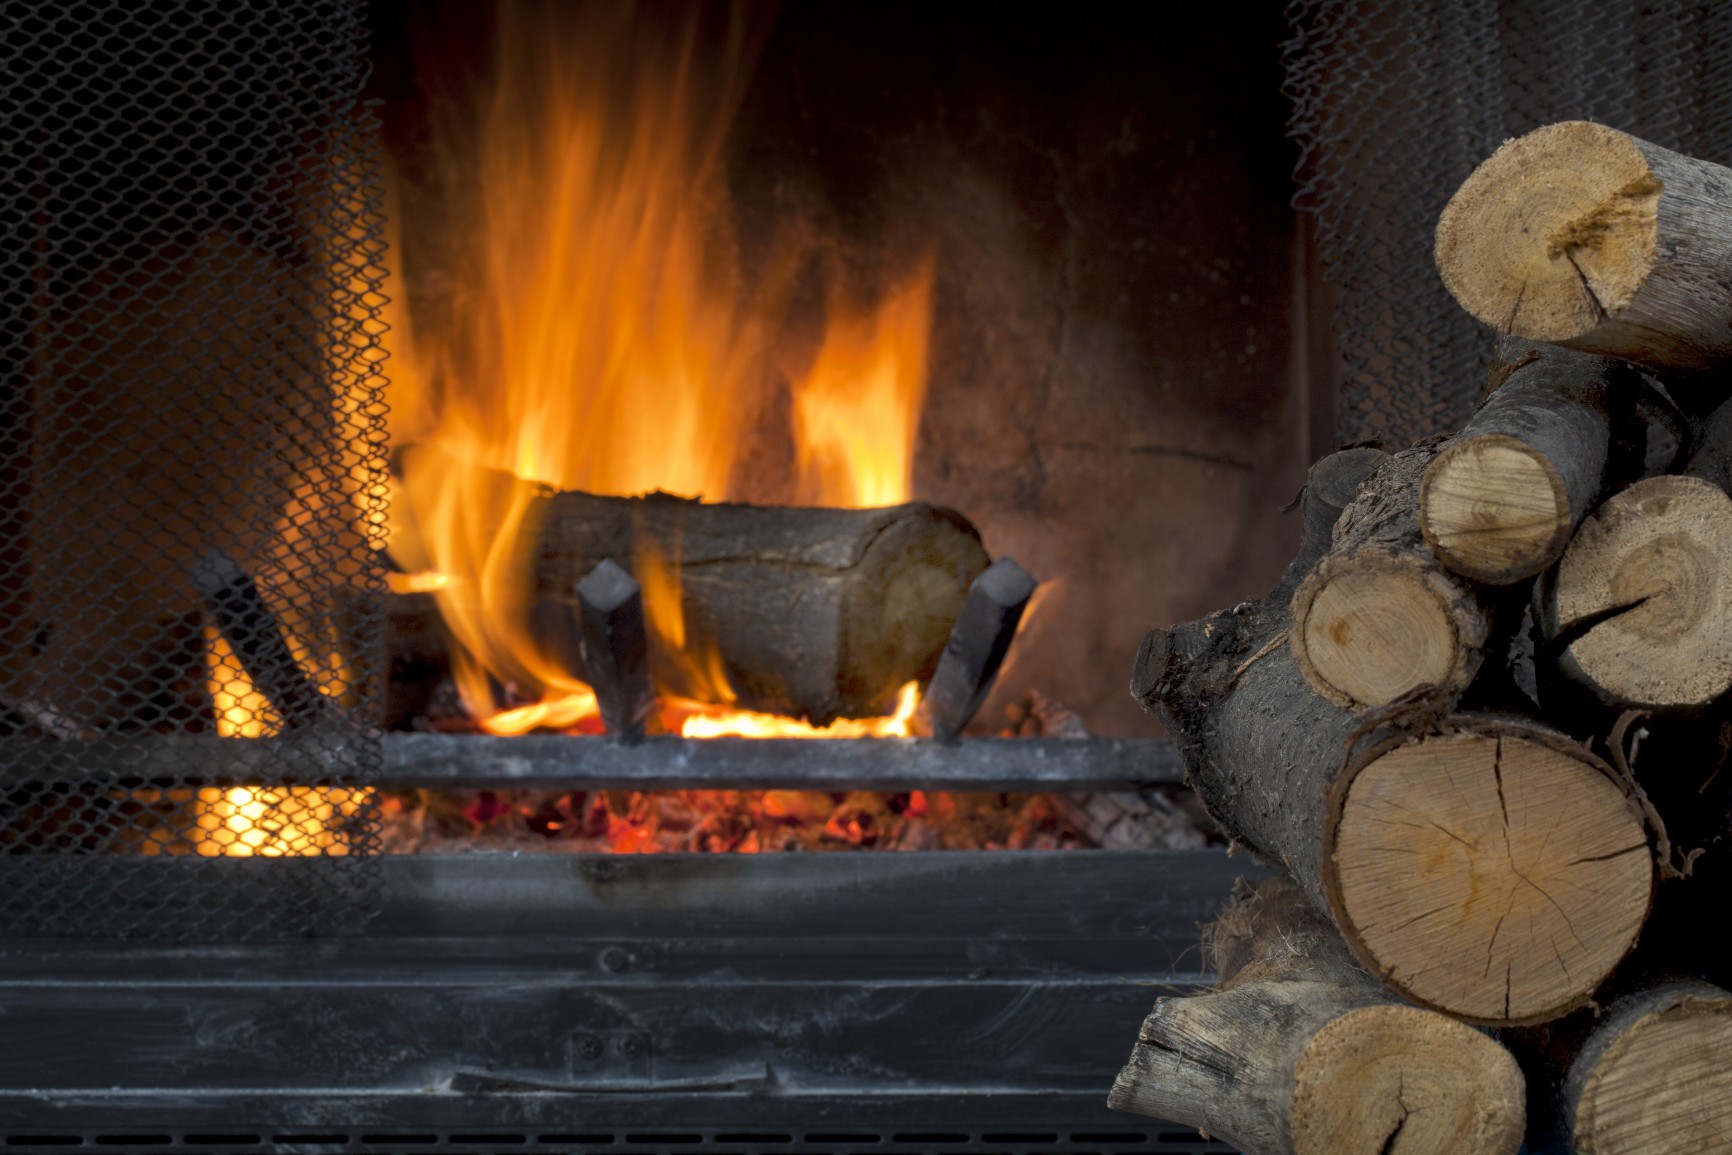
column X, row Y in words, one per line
column 425, row 582
column 857, row 412
column 603, row 337
column 746, row 724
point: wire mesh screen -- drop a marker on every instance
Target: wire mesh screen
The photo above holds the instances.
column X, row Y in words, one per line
column 191, row 453
column 1396, row 102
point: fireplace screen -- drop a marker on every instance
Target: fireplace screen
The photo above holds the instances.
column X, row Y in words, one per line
column 191, row 452
column 1394, row 104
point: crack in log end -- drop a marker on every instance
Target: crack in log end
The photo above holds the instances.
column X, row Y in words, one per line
column 1389, row 1142
column 1580, row 628
column 1182, row 1054
column 1502, row 803
column 1599, row 309
column 1514, row 309
column 1608, row 856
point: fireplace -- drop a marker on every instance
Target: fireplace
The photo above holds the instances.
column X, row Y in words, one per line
column 310, row 846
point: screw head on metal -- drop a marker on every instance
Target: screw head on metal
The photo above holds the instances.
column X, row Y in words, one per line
column 615, row 959
column 631, row 1046
column 589, row 1047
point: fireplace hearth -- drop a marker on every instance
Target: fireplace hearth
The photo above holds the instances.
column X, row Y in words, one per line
column 272, row 592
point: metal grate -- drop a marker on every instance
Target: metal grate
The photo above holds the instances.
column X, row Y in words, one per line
column 1156, row 1139
column 191, row 451
column 1396, row 102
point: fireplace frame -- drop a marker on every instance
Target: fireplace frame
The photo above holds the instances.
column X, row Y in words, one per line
column 917, row 1002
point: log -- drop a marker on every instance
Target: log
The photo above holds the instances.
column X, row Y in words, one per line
column 1299, row 1051
column 1331, row 484
column 1345, row 802
column 1655, row 1076
column 1493, row 869
column 1499, row 501
column 1585, row 236
column 1638, row 611
column 1379, row 616
column 815, row 613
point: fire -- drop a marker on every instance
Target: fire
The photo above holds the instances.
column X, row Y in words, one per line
column 856, row 413
column 274, row 821
column 604, row 338
column 241, row 711
column 746, row 724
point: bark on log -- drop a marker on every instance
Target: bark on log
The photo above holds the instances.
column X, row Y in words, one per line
column 1533, row 823
column 1655, row 1076
column 815, row 613
column 1380, row 616
column 1299, row 1051
column 1584, row 236
column 1499, row 501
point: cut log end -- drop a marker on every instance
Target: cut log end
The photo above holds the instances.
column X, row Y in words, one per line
column 1663, row 1086
column 1495, row 875
column 1645, row 584
column 1371, row 626
column 1494, row 509
column 1405, row 1081
column 1553, row 233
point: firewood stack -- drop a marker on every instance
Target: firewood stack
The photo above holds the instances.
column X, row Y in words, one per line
column 1483, row 721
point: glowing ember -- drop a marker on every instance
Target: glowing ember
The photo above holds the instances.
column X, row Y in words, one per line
column 601, row 339
column 722, row 821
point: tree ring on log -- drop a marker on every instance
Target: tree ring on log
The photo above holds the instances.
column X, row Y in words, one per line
column 1646, row 577
column 1493, row 507
column 1555, row 232
column 1377, row 1073
column 1496, row 873
column 1370, row 626
column 1663, row 1086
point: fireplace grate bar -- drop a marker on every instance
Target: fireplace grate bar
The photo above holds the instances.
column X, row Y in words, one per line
column 432, row 761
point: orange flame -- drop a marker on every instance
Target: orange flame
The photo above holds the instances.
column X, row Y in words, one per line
column 858, row 411
column 602, row 340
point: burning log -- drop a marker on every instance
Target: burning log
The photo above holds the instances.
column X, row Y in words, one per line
column 815, row 613
column 1300, row 1051
column 1584, row 236
column 1350, row 803
column 615, row 650
column 1498, row 503
column 976, row 649
column 1379, row 617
